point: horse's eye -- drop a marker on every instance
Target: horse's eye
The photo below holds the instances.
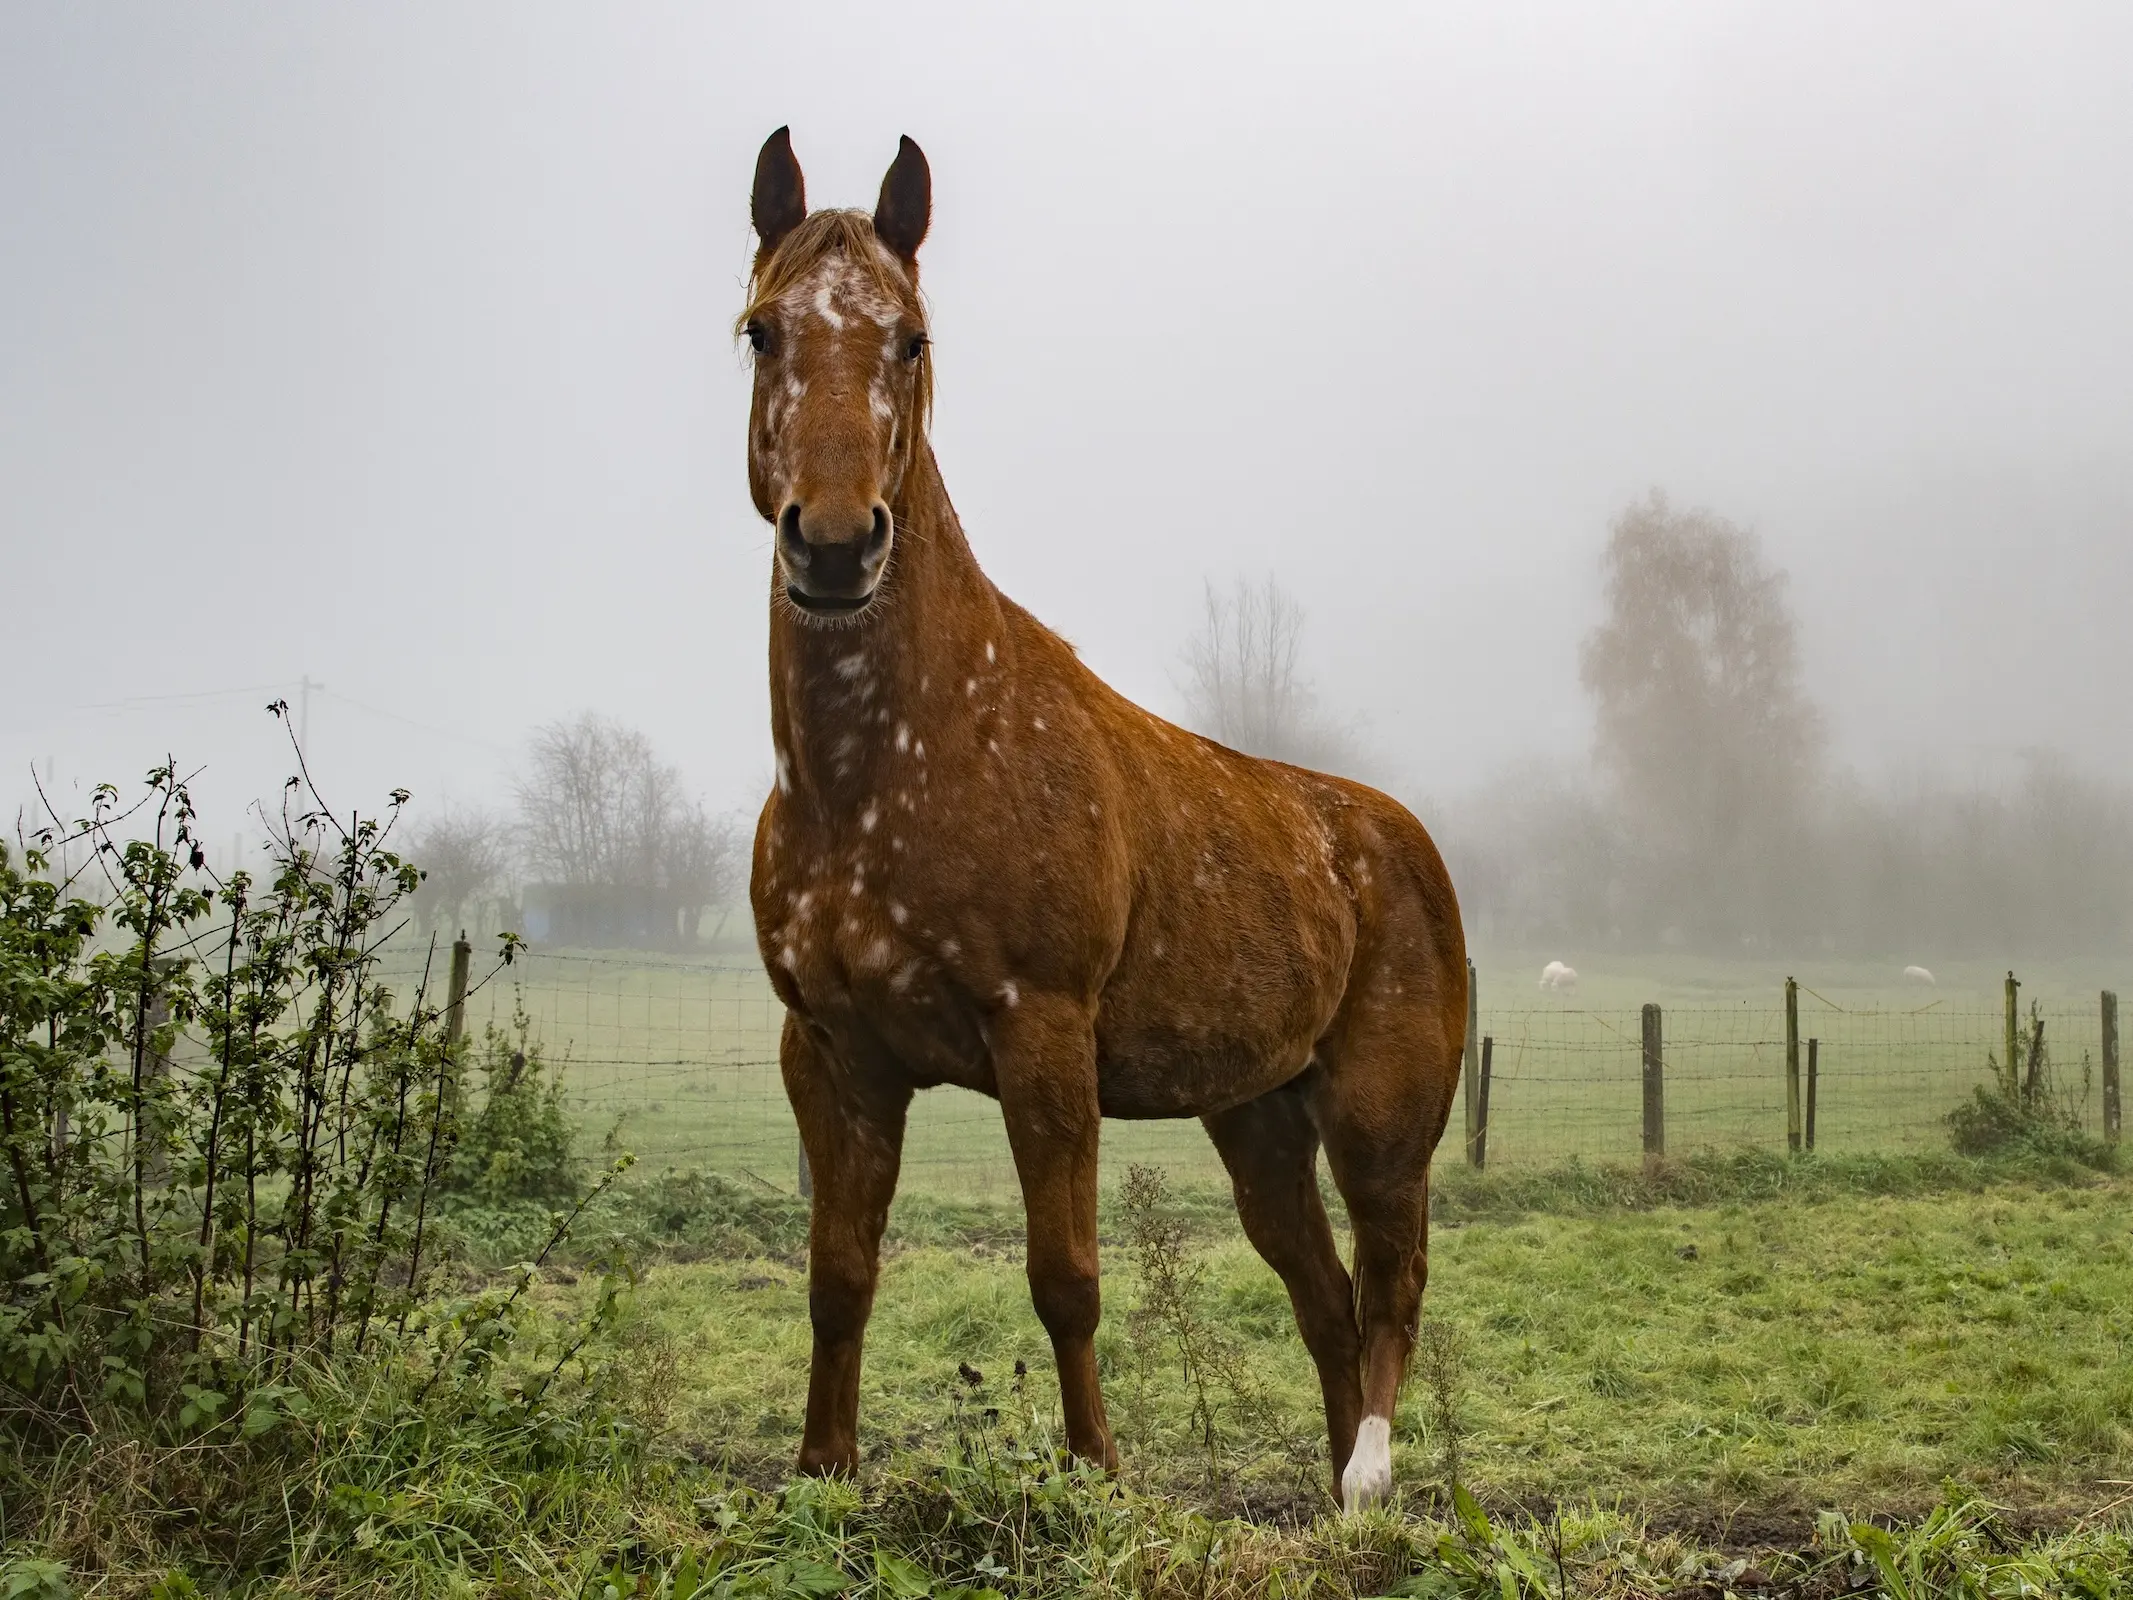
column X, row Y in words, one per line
column 758, row 337
column 917, row 347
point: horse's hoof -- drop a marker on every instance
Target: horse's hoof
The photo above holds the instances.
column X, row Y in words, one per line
column 1368, row 1478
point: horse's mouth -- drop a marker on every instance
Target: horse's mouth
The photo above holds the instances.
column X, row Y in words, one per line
column 828, row 605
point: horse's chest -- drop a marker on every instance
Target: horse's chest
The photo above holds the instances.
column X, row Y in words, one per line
column 879, row 972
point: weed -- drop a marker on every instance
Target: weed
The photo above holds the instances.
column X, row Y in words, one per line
column 1440, row 1362
column 1172, row 1311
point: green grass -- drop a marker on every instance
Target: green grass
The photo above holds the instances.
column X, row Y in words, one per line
column 1840, row 1349
column 1780, row 1380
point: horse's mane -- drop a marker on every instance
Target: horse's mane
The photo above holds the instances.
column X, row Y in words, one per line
column 850, row 234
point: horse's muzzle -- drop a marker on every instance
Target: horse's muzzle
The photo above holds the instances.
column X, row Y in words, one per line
column 837, row 573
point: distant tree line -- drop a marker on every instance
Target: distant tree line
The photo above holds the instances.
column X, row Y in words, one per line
column 1709, row 815
column 1712, row 817
column 605, row 848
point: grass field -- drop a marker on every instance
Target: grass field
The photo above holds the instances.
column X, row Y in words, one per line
column 1766, row 1358
column 677, row 1060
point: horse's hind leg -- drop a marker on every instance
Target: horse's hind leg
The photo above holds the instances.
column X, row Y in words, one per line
column 1271, row 1150
column 852, row 1129
column 1380, row 1101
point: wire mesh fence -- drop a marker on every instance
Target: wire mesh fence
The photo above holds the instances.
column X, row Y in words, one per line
column 677, row 1060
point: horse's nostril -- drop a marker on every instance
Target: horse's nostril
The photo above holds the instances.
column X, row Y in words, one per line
column 878, row 535
column 792, row 543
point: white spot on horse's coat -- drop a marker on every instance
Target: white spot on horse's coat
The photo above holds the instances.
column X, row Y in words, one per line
column 1095, row 810
column 904, row 974
column 1037, row 723
column 991, row 655
column 970, row 686
column 1010, row 993
column 852, row 665
column 1368, row 1478
column 878, row 403
column 878, row 953
column 826, row 301
column 897, row 914
column 788, row 960
column 858, row 885
column 950, row 949
column 920, row 751
column 868, row 818
column 903, row 736
column 784, row 772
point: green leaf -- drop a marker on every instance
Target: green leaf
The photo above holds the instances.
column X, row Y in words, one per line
column 813, row 1579
column 905, row 1579
column 1471, row 1517
column 33, row 1578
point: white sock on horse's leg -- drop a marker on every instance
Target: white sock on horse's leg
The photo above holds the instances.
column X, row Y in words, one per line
column 1368, row 1478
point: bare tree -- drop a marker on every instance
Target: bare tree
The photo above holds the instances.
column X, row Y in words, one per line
column 601, row 815
column 705, row 864
column 1245, row 683
column 465, row 855
column 581, row 797
column 1703, row 725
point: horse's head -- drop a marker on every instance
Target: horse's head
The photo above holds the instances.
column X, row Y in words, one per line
column 842, row 377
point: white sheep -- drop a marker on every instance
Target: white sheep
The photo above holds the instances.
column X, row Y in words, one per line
column 1556, row 975
column 1919, row 975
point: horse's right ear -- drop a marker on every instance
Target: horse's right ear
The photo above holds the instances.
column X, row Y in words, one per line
column 779, row 203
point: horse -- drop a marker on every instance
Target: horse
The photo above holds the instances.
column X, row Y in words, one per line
column 980, row 865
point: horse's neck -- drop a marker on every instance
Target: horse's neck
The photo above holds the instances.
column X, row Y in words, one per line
column 844, row 702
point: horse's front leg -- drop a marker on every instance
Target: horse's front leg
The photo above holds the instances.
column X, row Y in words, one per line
column 852, row 1127
column 1044, row 1059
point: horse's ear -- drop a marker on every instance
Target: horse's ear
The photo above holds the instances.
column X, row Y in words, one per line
column 779, row 203
column 906, row 204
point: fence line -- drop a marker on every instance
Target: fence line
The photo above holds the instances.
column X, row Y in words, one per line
column 677, row 1061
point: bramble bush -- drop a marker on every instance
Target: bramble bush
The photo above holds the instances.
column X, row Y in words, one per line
column 224, row 1143
column 519, row 1143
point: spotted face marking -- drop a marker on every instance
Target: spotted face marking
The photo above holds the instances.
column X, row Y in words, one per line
column 838, row 337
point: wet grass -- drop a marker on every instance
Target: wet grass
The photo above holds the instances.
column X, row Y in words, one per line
column 1826, row 1348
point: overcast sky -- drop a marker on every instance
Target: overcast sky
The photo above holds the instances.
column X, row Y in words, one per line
column 389, row 346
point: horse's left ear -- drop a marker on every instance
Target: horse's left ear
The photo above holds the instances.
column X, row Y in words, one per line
column 906, row 205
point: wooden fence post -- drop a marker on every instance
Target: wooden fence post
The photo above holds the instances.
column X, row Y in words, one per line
column 455, row 1005
column 1481, row 1132
column 155, row 1067
column 1473, row 1067
column 451, row 1080
column 2110, row 1066
column 2009, row 1069
column 1814, row 1085
column 1795, row 1112
column 1654, row 1088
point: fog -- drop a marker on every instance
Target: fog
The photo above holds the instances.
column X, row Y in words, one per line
column 390, row 349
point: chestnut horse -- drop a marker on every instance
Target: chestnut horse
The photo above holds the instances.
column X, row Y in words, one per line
column 982, row 866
